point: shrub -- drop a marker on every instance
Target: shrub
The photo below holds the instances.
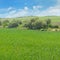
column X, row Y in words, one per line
column 28, row 25
column 20, row 22
column 0, row 23
column 54, row 26
column 44, row 26
column 32, row 20
column 5, row 23
column 34, row 25
column 48, row 22
column 12, row 25
column 38, row 25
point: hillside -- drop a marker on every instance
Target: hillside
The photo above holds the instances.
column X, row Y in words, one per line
column 53, row 18
column 31, row 21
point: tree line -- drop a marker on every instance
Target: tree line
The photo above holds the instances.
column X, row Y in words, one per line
column 33, row 24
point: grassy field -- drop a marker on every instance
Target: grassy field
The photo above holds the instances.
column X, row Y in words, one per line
column 29, row 45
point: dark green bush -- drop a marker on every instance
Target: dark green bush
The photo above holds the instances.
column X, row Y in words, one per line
column 13, row 25
column 48, row 22
column 54, row 26
column 38, row 25
column 0, row 23
column 5, row 23
column 34, row 25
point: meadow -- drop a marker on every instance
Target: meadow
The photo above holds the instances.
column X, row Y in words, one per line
column 29, row 45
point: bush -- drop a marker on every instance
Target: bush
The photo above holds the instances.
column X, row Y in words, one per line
column 34, row 25
column 48, row 22
column 38, row 25
column 29, row 25
column 5, row 23
column 54, row 26
column 33, row 20
column 12, row 25
column 44, row 26
column 20, row 22
column 0, row 23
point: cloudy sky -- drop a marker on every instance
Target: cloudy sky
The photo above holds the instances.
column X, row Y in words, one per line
column 18, row 8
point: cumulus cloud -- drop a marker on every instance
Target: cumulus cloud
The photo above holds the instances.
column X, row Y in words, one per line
column 17, row 13
column 34, row 11
column 51, row 11
column 23, row 12
column 37, row 7
column 26, row 8
column 58, row 2
column 10, row 8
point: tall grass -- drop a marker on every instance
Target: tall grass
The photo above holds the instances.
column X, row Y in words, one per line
column 29, row 45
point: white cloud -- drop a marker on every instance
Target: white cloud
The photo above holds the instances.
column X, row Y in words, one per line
column 10, row 8
column 51, row 11
column 37, row 7
column 35, row 11
column 25, row 8
column 17, row 13
column 58, row 2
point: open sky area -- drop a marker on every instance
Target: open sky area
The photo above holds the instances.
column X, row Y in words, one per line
column 19, row 8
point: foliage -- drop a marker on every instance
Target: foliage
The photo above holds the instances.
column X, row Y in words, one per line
column 48, row 22
column 13, row 25
column 32, row 23
column 0, row 23
column 54, row 26
column 38, row 25
column 5, row 23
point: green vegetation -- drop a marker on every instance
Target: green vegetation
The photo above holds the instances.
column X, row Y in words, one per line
column 30, row 38
column 32, row 23
column 29, row 45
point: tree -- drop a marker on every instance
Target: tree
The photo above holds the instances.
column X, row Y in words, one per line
column 54, row 26
column 5, row 23
column 38, row 25
column 20, row 22
column 34, row 25
column 48, row 22
column 30, row 25
column 12, row 25
column 33, row 20
column 0, row 23
column 44, row 26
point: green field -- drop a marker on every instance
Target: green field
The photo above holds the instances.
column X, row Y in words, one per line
column 29, row 45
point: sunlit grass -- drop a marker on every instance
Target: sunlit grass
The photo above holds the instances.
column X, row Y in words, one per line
column 29, row 45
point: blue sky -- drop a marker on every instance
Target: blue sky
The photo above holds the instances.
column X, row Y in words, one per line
column 23, row 3
column 17, row 8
